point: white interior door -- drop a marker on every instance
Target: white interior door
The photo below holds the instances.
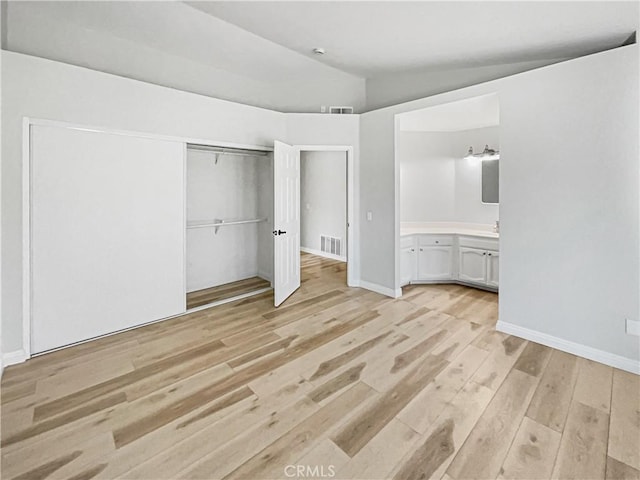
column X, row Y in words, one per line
column 286, row 221
column 107, row 233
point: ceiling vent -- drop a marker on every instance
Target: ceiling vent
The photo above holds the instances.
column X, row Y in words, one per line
column 341, row 110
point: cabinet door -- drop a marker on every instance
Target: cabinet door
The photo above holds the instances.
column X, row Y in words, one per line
column 472, row 265
column 407, row 265
column 435, row 263
column 493, row 270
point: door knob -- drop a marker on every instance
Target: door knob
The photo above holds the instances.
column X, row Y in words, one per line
column 279, row 232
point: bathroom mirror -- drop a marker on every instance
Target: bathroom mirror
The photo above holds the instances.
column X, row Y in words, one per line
column 490, row 190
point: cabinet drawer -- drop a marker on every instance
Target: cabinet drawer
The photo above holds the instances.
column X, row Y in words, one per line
column 479, row 242
column 433, row 240
column 407, row 241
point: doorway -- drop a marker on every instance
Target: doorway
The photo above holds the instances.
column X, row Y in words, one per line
column 325, row 199
column 286, row 222
column 323, row 204
column 447, row 160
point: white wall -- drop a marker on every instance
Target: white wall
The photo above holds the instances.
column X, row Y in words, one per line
column 323, row 197
column 40, row 88
column 559, row 126
column 569, row 202
column 436, row 183
column 427, row 176
column 226, row 190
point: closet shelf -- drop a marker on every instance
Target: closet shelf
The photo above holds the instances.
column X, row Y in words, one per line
column 217, row 223
column 219, row 151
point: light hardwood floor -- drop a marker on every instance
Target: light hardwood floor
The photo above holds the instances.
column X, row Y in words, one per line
column 228, row 290
column 336, row 381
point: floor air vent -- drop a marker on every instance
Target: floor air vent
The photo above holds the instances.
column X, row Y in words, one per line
column 332, row 245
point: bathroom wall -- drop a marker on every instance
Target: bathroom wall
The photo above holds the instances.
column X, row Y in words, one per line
column 427, row 177
column 436, row 183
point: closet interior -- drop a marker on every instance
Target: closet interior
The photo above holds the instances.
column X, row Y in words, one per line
column 229, row 241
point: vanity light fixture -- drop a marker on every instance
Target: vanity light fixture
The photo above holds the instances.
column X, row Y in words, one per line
column 487, row 154
column 469, row 155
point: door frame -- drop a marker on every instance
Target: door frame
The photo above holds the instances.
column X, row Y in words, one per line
column 352, row 226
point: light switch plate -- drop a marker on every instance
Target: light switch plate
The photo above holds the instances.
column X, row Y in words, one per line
column 369, row 216
column 633, row 327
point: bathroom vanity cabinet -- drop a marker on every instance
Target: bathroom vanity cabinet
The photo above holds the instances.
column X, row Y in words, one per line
column 450, row 258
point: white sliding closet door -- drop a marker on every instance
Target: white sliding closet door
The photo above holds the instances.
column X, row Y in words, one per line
column 107, row 233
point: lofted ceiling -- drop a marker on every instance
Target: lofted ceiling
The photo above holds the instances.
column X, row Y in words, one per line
column 168, row 26
column 377, row 38
column 172, row 44
column 260, row 53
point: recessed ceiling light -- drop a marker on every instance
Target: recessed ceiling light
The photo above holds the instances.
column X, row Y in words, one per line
column 319, row 51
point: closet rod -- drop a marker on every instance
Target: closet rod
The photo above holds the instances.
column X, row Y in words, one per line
column 228, row 150
column 217, row 223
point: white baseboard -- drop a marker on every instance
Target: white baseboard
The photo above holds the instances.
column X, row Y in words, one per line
column 453, row 281
column 323, row 254
column 374, row 287
column 13, row 358
column 601, row 356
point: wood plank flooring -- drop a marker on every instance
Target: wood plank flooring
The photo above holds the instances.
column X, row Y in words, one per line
column 228, row 290
column 336, row 383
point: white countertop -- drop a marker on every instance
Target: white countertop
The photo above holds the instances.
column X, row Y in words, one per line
column 451, row 228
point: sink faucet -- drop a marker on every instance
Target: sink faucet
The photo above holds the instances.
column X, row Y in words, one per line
column 496, row 227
